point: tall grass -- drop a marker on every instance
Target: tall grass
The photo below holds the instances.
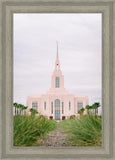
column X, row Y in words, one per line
column 28, row 129
column 85, row 131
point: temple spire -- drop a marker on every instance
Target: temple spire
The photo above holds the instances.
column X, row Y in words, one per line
column 57, row 49
column 57, row 64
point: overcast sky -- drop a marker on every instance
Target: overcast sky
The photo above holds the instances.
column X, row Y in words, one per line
column 79, row 37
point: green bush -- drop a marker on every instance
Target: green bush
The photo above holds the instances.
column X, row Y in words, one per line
column 28, row 129
column 72, row 117
column 85, row 131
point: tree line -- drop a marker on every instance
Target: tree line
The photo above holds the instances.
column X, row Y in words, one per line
column 88, row 107
column 20, row 109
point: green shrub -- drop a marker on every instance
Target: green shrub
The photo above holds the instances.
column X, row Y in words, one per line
column 85, row 131
column 28, row 129
column 72, row 117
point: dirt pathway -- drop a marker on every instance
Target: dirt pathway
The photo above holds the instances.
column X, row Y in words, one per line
column 56, row 138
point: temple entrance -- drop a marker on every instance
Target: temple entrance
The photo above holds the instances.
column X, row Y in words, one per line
column 57, row 109
column 63, row 117
column 51, row 117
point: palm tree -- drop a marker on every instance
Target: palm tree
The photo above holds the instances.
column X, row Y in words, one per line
column 25, row 107
column 81, row 111
column 15, row 105
column 88, row 108
column 20, row 108
column 95, row 106
column 33, row 111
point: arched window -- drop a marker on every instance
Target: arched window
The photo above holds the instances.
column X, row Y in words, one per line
column 51, row 107
column 44, row 105
column 57, row 83
column 57, row 109
column 79, row 105
column 62, row 107
column 69, row 105
column 34, row 105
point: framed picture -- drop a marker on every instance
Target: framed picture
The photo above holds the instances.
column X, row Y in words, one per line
column 57, row 79
column 75, row 91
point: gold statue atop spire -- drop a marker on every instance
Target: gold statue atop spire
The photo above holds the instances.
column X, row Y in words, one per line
column 57, row 43
column 57, row 64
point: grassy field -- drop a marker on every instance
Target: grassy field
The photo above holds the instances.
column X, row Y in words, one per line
column 28, row 129
column 85, row 131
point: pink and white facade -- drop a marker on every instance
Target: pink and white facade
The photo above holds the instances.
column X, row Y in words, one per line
column 57, row 103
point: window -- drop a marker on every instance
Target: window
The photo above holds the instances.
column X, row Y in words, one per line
column 57, row 82
column 57, row 109
column 57, row 103
column 62, row 107
column 79, row 105
column 34, row 105
column 51, row 107
column 44, row 105
column 69, row 105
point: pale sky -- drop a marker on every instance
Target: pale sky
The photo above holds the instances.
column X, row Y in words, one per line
column 79, row 37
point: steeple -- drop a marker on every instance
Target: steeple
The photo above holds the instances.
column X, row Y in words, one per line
column 57, row 49
column 57, row 79
column 57, row 63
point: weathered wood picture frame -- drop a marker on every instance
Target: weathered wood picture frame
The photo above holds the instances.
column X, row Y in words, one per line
column 8, row 8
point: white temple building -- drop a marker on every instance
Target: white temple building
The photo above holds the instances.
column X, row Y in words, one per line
column 57, row 103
